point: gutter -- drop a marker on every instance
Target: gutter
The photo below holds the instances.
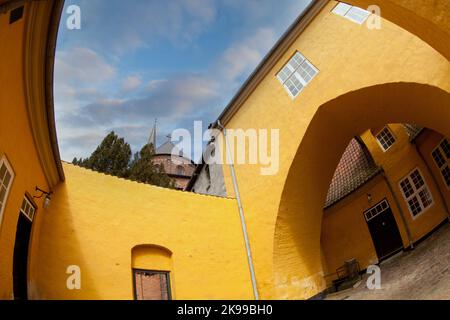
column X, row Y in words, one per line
column 241, row 212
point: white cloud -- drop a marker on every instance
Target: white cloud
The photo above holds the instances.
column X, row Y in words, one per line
column 131, row 83
column 80, row 66
column 244, row 56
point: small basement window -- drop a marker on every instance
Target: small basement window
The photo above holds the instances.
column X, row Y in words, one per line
column 416, row 193
column 352, row 13
column 385, row 138
column 441, row 156
column 297, row 74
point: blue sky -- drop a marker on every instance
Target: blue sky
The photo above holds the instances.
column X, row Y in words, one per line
column 175, row 60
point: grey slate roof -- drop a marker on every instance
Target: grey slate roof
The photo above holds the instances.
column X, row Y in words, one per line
column 167, row 148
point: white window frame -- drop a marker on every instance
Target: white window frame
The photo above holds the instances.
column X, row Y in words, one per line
column 439, row 148
column 4, row 161
column 416, row 193
column 378, row 140
column 25, row 209
column 376, row 210
column 348, row 11
column 294, row 72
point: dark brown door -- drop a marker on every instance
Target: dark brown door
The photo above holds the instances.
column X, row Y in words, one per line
column 20, row 260
column 151, row 285
column 383, row 229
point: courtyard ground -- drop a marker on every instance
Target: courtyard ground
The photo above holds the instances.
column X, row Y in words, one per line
column 420, row 274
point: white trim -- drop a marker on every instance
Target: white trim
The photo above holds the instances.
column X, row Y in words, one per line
column 391, row 133
column 445, row 158
column 416, row 193
column 4, row 161
column 293, row 68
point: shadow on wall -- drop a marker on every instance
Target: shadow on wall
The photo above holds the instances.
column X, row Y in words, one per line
column 298, row 270
column 49, row 274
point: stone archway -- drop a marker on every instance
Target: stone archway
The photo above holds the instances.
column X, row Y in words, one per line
column 297, row 258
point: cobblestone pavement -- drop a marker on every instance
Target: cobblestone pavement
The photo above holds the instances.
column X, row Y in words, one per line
column 420, row 274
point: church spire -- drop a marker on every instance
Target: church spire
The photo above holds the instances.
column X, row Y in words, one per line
column 152, row 138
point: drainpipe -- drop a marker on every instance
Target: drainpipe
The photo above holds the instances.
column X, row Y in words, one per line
column 402, row 215
column 241, row 213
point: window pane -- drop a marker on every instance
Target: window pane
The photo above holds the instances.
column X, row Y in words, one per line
column 2, row 172
column 2, row 194
column 406, row 188
column 445, row 145
column 357, row 15
column 284, row 74
column 438, row 158
column 425, row 197
column 414, row 205
column 417, row 179
column 341, row 9
column 446, row 175
column 7, row 179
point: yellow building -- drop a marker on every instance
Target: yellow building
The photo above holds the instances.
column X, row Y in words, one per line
column 59, row 222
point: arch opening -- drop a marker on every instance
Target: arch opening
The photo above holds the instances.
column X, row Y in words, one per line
column 298, row 256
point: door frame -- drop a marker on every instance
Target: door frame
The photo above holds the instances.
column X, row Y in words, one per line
column 388, row 207
column 31, row 201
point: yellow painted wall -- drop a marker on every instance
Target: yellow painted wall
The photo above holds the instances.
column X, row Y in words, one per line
column 345, row 234
column 94, row 221
column 397, row 163
column 426, row 143
column 427, row 19
column 16, row 142
column 284, row 211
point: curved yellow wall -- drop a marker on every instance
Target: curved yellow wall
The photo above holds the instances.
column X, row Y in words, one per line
column 17, row 144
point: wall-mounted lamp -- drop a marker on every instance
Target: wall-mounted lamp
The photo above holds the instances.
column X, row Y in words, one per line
column 369, row 197
column 47, row 196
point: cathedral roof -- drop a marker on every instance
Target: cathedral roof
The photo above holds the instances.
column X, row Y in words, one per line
column 167, row 148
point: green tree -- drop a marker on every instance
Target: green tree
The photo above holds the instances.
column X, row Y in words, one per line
column 143, row 169
column 112, row 157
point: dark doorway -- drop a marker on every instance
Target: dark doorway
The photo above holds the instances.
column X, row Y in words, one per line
column 383, row 229
column 20, row 262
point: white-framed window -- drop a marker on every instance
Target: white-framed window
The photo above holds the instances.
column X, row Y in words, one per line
column 385, row 138
column 28, row 209
column 441, row 156
column 297, row 74
column 376, row 210
column 416, row 193
column 6, row 179
column 352, row 13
